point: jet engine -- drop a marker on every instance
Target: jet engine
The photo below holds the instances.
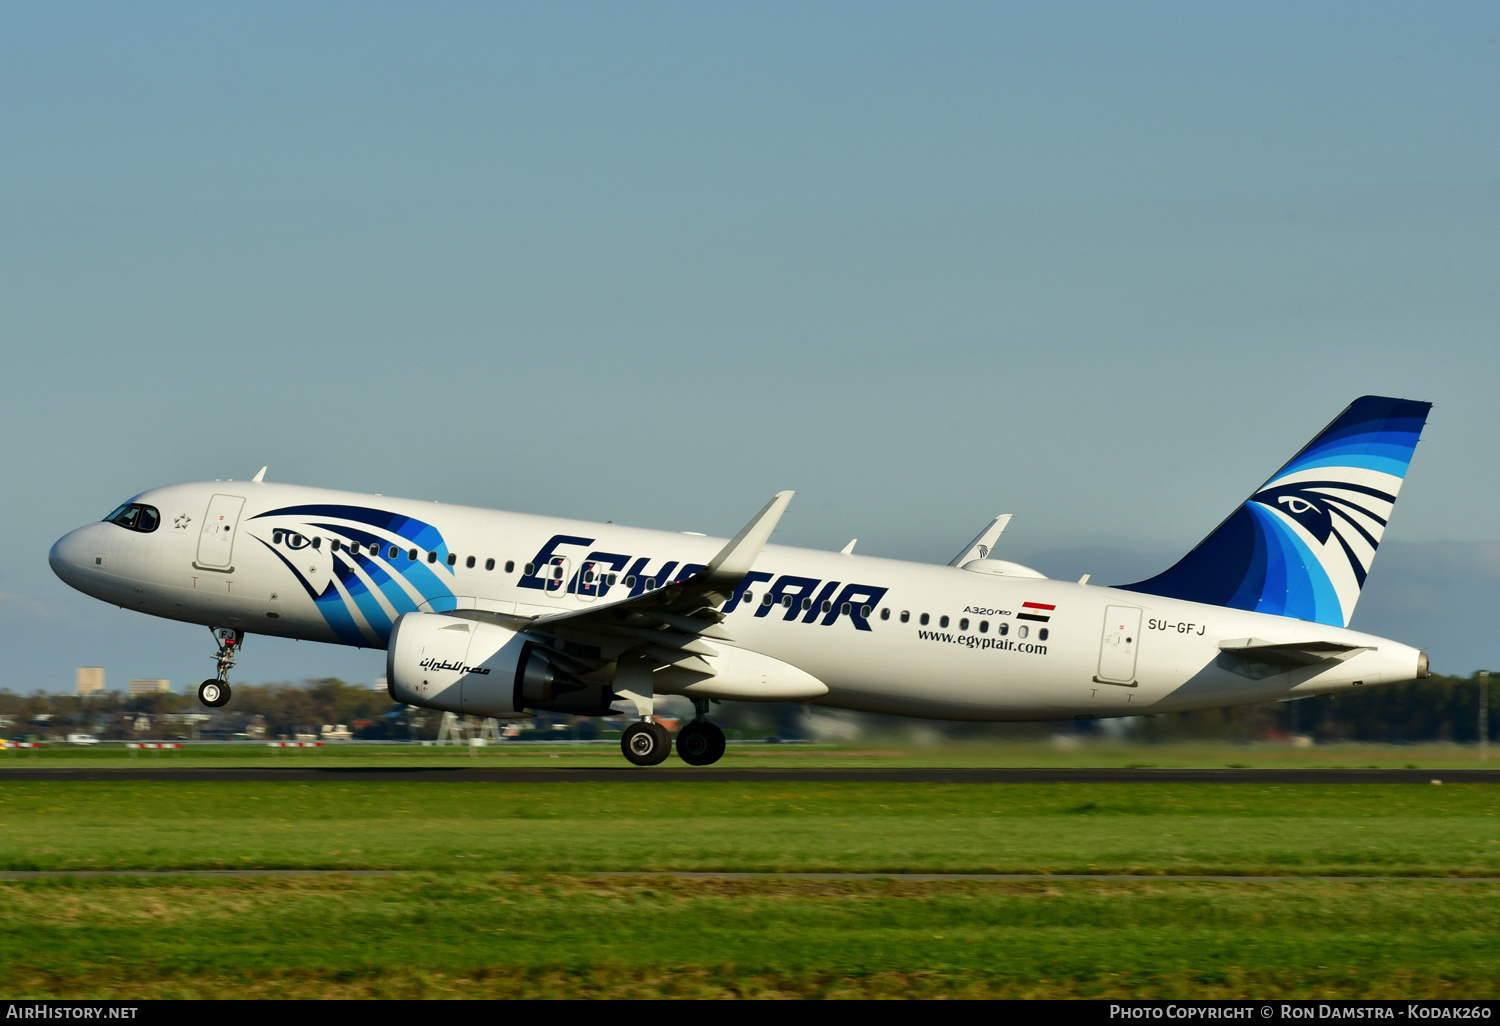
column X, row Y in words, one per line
column 481, row 669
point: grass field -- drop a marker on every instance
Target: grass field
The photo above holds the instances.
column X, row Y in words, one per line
column 473, row 935
column 493, row 894
column 1063, row 752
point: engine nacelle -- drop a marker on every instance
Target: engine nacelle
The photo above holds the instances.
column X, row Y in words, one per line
column 481, row 669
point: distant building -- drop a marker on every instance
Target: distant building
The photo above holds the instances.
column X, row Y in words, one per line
column 149, row 686
column 89, row 680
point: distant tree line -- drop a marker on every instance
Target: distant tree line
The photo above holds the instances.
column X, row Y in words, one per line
column 1436, row 709
column 280, row 710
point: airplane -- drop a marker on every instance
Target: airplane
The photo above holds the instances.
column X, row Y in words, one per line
column 505, row 615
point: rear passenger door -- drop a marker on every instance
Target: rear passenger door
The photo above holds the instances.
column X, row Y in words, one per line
column 1119, row 645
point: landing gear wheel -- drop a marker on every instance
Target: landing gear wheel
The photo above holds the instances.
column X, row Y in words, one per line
column 213, row 693
column 646, row 744
column 700, row 743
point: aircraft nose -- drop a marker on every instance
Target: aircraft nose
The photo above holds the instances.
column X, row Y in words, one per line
column 69, row 552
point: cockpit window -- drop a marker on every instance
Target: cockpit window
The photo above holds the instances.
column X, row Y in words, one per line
column 136, row 517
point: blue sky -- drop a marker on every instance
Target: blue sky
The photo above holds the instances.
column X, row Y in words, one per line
column 1101, row 266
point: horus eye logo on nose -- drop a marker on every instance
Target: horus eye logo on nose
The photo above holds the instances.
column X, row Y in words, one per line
column 1295, row 504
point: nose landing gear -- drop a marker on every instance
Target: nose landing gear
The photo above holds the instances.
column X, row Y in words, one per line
column 215, row 692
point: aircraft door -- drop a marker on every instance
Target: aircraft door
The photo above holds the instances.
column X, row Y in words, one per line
column 216, row 540
column 556, row 574
column 591, row 574
column 1119, row 646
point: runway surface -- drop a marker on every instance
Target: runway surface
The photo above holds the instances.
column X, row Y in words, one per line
column 625, row 874
column 737, row 775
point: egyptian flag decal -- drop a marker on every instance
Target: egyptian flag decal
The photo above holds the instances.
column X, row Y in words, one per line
column 1038, row 611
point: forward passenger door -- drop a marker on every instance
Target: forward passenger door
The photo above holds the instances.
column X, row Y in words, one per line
column 216, row 540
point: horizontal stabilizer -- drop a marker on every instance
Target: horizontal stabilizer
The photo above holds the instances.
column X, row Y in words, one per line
column 1259, row 660
column 1292, row 655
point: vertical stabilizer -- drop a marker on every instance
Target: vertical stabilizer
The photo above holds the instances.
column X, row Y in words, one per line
column 1303, row 543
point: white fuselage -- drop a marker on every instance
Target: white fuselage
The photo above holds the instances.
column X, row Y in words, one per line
column 937, row 641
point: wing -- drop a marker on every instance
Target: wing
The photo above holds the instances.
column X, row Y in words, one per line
column 665, row 627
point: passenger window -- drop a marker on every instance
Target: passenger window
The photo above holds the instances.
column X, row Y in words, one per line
column 943, row 622
column 1042, row 634
column 432, row 557
column 489, row 564
column 411, row 555
column 469, row 562
column 885, row 614
column 984, row 626
column 452, row 559
column 924, row 619
column 391, row 552
column 963, row 624
column 826, row 605
column 374, row 549
column 807, row 603
column 864, row 611
column 611, row 579
column 844, row 609
column 749, row 595
column 630, row 583
column 510, row 565
column 1021, row 631
column 905, row 615
column 318, row 544
column 530, row 568
column 333, row 546
column 1002, row 629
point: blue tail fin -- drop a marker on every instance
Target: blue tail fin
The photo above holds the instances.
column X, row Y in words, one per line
column 1303, row 543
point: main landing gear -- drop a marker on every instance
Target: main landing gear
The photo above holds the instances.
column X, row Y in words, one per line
column 700, row 743
column 215, row 692
column 646, row 743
